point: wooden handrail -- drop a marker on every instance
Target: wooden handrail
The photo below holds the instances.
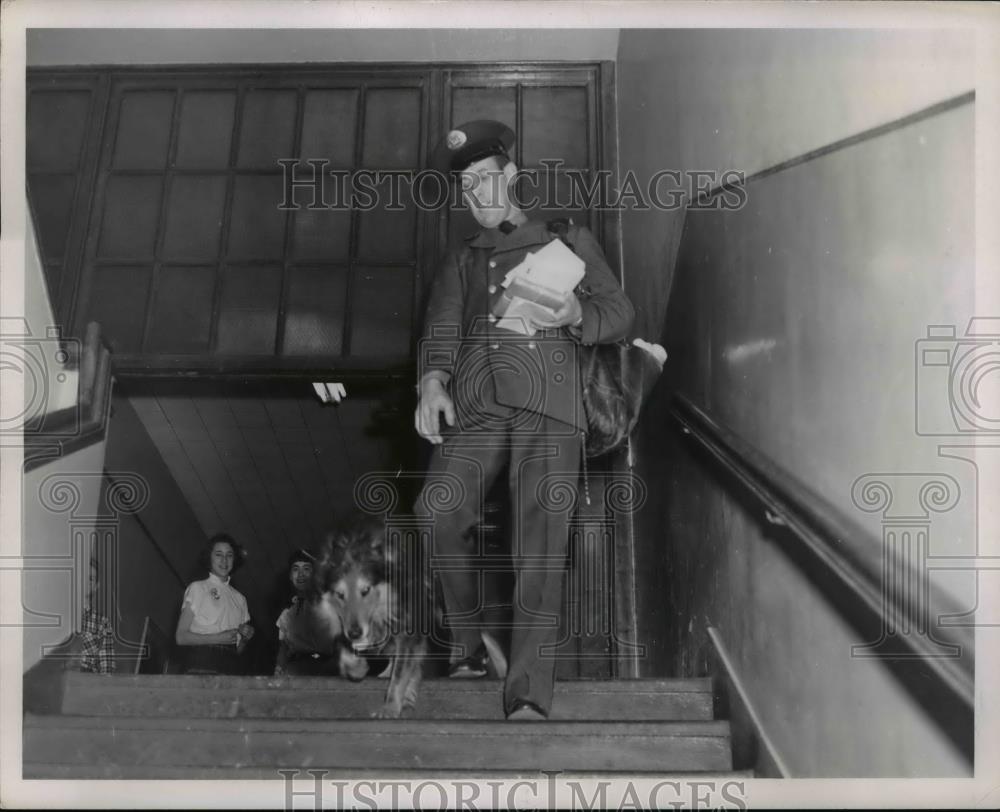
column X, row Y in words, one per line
column 54, row 435
column 850, row 560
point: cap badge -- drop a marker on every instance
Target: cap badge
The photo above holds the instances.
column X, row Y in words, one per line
column 456, row 139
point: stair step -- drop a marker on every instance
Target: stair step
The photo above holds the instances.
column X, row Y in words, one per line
column 148, row 772
column 108, row 743
column 329, row 698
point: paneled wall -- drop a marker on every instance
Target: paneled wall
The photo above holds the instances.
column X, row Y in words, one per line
column 63, row 134
column 167, row 217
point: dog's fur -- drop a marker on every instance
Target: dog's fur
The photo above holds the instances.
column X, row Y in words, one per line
column 376, row 589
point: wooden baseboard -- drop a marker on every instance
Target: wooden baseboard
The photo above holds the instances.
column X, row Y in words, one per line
column 752, row 746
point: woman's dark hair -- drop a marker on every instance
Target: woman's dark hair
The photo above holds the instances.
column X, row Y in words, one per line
column 284, row 591
column 205, row 559
column 299, row 555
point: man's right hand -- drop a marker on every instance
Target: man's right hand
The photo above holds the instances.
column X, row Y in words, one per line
column 434, row 401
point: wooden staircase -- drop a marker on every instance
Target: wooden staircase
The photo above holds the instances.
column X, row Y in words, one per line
column 169, row 726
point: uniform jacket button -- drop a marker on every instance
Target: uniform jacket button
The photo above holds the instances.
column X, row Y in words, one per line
column 493, row 263
column 531, row 345
column 492, row 288
column 491, row 318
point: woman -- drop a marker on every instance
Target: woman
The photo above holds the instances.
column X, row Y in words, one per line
column 214, row 626
column 306, row 639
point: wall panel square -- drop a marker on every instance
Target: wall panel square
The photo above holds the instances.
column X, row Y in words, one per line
column 181, row 315
column 556, row 125
column 257, row 229
column 392, row 129
column 195, row 212
column 248, row 316
column 314, row 315
column 329, row 122
column 56, row 127
column 144, row 123
column 117, row 301
column 131, row 214
column 267, row 128
column 381, row 311
column 205, row 132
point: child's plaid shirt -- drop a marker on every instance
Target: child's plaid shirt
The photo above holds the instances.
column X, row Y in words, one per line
column 97, row 638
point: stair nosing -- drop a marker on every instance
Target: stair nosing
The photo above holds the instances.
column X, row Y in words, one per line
column 181, row 682
column 714, row 728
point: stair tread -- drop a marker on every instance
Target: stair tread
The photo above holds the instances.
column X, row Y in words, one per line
column 390, row 727
column 188, row 682
column 435, row 702
column 34, row 770
column 108, row 746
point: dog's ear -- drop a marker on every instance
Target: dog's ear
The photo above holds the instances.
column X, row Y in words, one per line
column 331, row 551
column 389, row 548
column 336, row 540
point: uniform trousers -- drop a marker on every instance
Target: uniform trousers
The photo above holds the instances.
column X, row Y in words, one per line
column 542, row 456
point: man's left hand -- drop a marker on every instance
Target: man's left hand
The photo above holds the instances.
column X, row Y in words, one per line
column 568, row 314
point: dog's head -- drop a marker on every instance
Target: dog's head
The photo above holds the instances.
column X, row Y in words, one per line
column 352, row 582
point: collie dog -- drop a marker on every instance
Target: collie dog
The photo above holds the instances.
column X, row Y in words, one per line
column 378, row 592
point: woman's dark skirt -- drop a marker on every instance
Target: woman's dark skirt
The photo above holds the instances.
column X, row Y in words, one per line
column 212, row 659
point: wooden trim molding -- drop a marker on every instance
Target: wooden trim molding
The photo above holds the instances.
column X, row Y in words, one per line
column 704, row 200
column 753, row 748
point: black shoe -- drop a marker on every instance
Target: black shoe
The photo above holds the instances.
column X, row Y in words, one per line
column 472, row 667
column 524, row 711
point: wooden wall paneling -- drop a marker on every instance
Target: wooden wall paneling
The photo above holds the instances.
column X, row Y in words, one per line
column 59, row 194
column 50, row 201
column 607, row 149
column 118, row 203
column 146, row 139
column 431, row 222
column 205, row 134
column 180, row 317
column 383, row 301
column 248, row 310
column 288, row 237
column 316, row 305
column 116, row 298
column 555, row 116
column 166, row 182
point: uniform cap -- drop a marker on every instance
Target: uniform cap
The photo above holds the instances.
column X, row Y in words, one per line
column 471, row 142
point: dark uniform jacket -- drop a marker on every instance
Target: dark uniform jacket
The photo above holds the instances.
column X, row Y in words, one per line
column 539, row 374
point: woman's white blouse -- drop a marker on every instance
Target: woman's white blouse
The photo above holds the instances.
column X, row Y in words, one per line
column 217, row 606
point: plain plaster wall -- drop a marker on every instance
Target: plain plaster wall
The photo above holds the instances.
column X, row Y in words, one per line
column 164, row 46
column 746, row 100
column 794, row 322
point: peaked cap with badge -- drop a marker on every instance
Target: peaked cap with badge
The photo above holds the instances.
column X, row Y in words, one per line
column 471, row 142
